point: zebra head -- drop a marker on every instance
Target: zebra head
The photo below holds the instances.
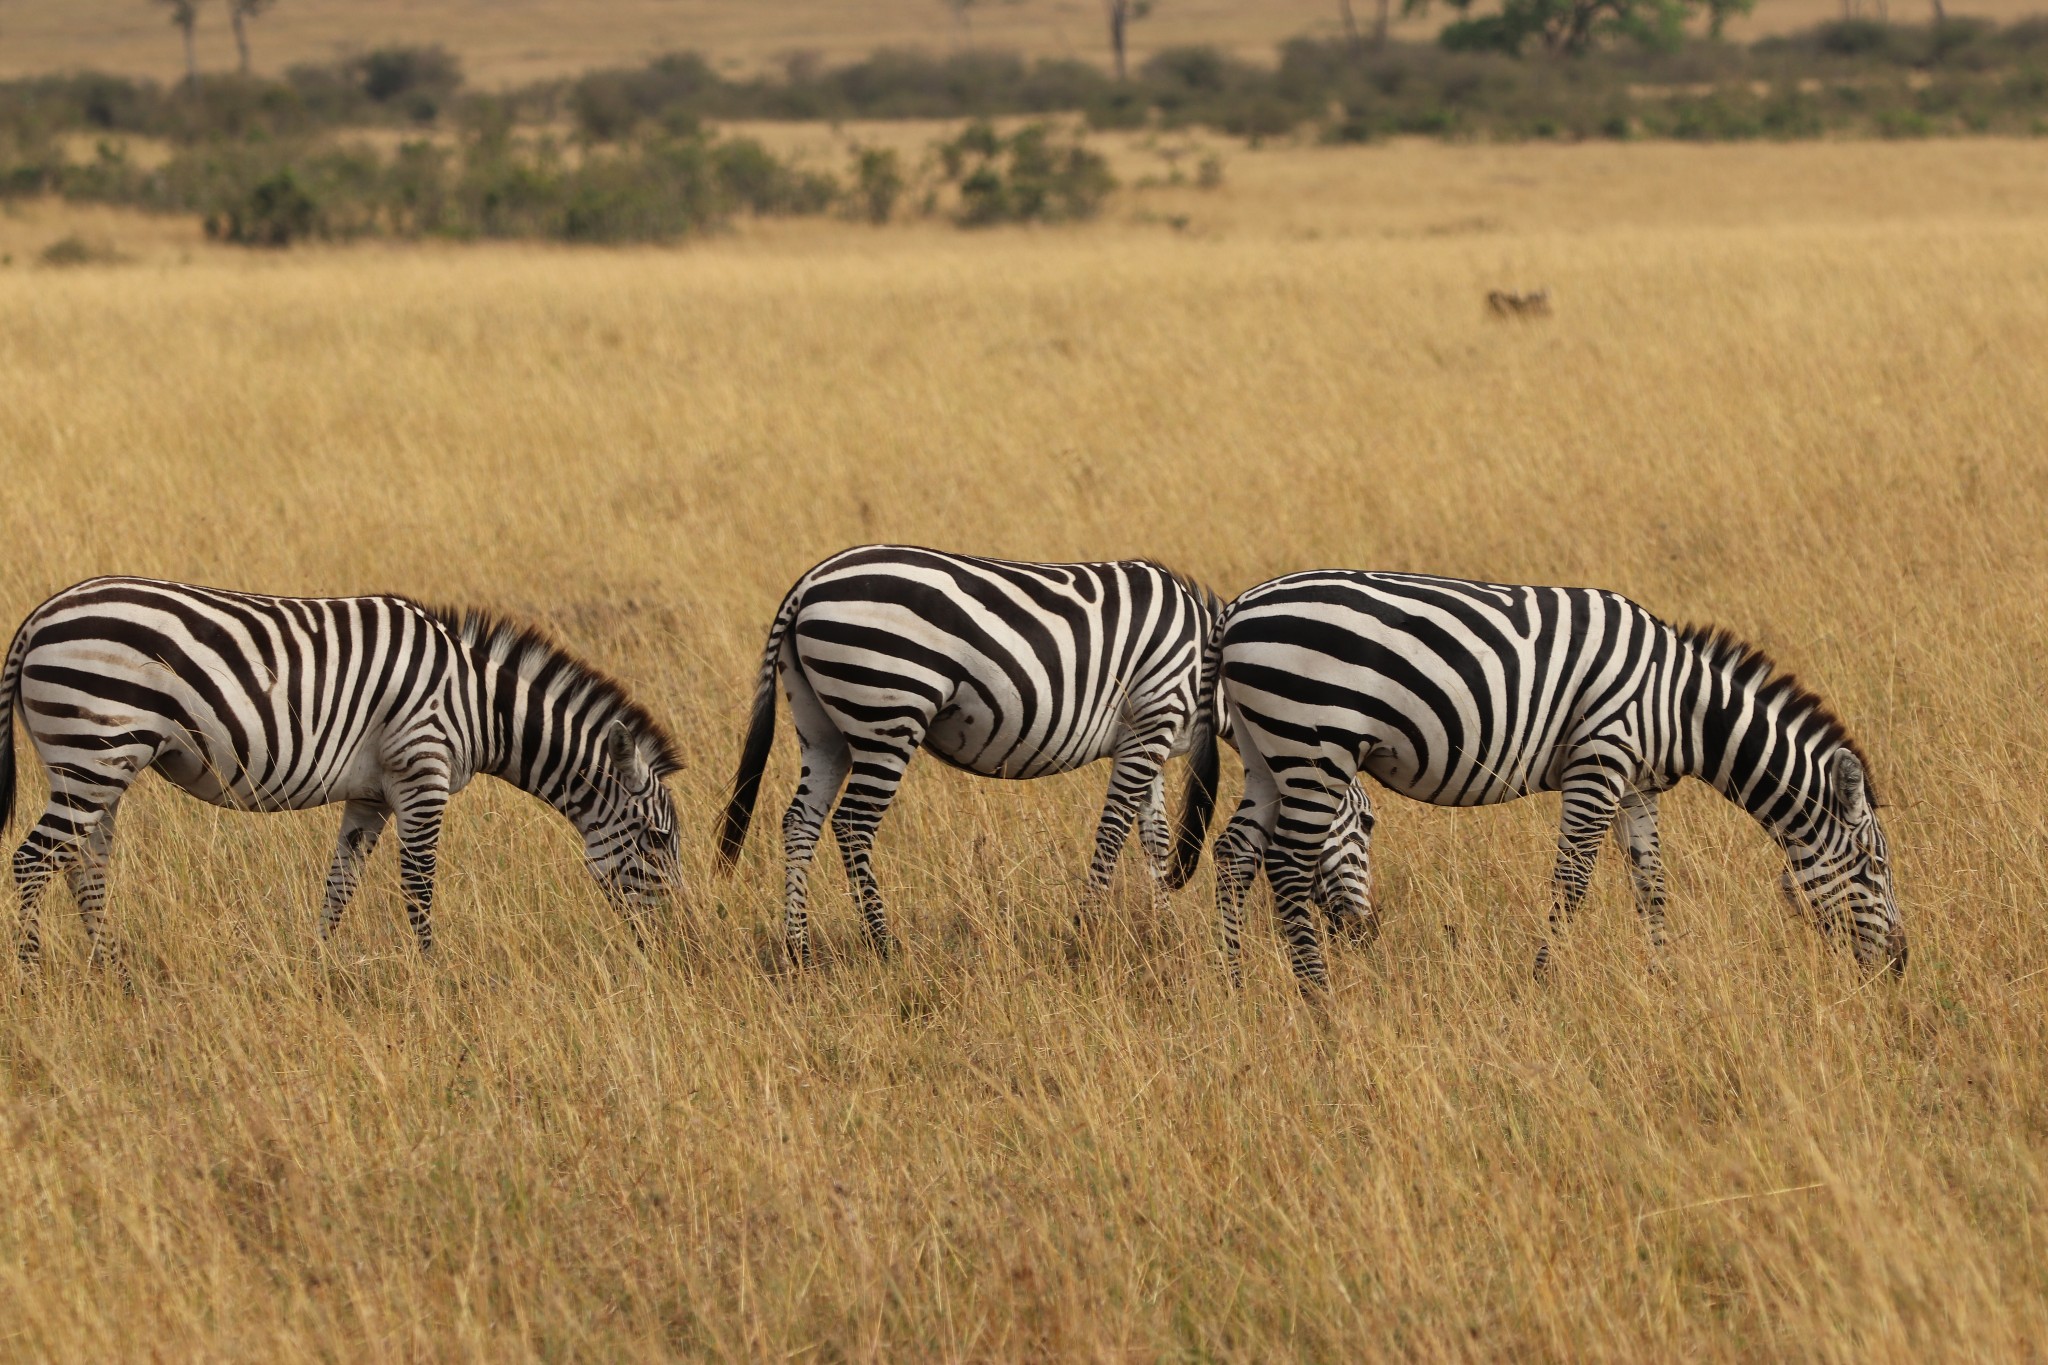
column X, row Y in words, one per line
column 629, row 825
column 1841, row 866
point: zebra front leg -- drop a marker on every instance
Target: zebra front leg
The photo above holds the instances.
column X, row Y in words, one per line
column 420, row 809
column 1132, row 776
column 1592, row 795
column 1155, row 837
column 1636, row 832
column 875, row 776
column 362, row 822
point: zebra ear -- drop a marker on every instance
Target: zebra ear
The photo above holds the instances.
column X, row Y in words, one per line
column 1852, row 791
column 622, row 751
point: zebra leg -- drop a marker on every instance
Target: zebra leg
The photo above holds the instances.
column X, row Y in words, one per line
column 361, row 824
column 87, row 876
column 1343, row 882
column 1636, row 832
column 1306, row 816
column 81, row 802
column 35, row 862
column 874, row 777
column 1133, row 775
column 1240, row 851
column 825, row 761
column 1157, row 841
column 1592, row 794
column 419, row 809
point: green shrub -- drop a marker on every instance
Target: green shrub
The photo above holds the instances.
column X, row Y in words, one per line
column 276, row 212
column 1023, row 178
column 877, row 182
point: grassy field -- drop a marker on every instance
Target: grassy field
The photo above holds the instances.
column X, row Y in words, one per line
column 1795, row 390
column 506, row 41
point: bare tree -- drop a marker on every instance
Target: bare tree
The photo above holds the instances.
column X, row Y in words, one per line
column 1121, row 13
column 185, row 15
column 1380, row 20
column 239, row 13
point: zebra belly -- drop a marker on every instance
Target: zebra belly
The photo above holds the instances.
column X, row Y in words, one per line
column 219, row 781
column 960, row 737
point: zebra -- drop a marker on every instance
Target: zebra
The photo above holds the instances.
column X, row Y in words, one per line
column 267, row 703
column 1005, row 669
column 1465, row 693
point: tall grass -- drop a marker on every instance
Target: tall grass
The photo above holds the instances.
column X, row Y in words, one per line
column 1822, row 429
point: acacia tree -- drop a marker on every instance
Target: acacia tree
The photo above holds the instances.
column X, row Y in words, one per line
column 1569, row 27
column 185, row 15
column 1121, row 13
column 239, row 13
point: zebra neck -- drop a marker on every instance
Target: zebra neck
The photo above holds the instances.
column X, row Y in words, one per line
column 1748, row 741
column 522, row 734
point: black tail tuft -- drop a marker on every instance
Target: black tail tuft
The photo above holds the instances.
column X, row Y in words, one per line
column 746, row 783
column 1200, row 802
column 10, row 682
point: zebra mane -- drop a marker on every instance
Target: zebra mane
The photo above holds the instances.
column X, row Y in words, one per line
column 1745, row 666
column 515, row 643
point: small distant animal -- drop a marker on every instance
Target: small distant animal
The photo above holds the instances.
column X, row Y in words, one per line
column 1506, row 304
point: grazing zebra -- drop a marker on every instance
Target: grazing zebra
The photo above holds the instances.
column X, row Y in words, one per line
column 1003, row 669
column 1464, row 694
column 283, row 703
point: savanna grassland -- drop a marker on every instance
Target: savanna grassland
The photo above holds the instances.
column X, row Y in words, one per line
column 1793, row 389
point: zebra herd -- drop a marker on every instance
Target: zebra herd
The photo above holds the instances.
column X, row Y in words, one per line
column 1452, row 692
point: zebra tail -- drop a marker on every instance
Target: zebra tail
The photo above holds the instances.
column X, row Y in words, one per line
column 10, row 683
column 746, row 782
column 1199, row 804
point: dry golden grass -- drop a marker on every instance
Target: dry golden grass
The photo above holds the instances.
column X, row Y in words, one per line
column 1818, row 421
column 507, row 41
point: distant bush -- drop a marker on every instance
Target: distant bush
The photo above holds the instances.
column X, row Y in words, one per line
column 878, row 182
column 1028, row 177
column 275, row 212
column 76, row 250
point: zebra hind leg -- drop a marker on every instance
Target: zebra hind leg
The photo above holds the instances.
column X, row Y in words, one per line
column 1239, row 852
column 825, row 760
column 1343, row 880
column 1291, row 868
column 87, row 876
column 35, row 862
column 875, row 775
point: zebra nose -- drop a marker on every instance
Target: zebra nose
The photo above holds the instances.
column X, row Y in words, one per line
column 1895, row 949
